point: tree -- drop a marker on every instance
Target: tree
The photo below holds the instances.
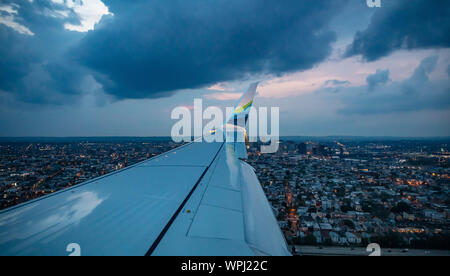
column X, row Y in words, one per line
column 367, row 206
column 301, row 170
column 391, row 240
column 380, row 211
column 349, row 223
column 297, row 241
column 401, row 207
column 346, row 208
column 328, row 242
column 309, row 240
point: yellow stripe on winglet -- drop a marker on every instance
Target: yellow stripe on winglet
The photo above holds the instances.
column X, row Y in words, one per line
column 242, row 108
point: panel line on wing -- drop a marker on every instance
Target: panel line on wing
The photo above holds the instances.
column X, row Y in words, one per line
column 177, row 212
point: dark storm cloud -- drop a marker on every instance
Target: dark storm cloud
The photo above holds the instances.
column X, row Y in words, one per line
column 414, row 94
column 34, row 68
column 150, row 47
column 380, row 77
column 403, row 24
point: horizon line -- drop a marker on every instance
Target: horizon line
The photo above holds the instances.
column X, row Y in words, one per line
column 161, row 136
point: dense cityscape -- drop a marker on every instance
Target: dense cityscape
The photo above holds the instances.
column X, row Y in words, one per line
column 394, row 193
column 330, row 192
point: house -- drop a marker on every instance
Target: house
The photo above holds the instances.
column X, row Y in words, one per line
column 326, row 227
column 316, row 227
column 358, row 238
column 366, row 236
column 318, row 236
column 335, row 238
column 301, row 234
column 407, row 216
column 302, row 211
column 351, row 238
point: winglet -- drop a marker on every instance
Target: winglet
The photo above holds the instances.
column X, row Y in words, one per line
column 242, row 109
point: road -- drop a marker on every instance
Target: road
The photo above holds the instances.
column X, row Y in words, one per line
column 360, row 251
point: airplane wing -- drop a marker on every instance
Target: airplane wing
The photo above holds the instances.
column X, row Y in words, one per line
column 199, row 199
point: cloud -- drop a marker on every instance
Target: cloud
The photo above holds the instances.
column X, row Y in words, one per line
column 403, row 24
column 217, row 87
column 37, row 68
column 401, row 66
column 425, row 68
column 8, row 17
column 413, row 94
column 380, row 77
column 89, row 13
column 333, row 83
column 224, row 96
column 80, row 16
column 151, row 47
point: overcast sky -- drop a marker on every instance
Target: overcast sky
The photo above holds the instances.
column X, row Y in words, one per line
column 118, row 68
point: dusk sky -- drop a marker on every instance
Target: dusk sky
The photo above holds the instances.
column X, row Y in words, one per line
column 118, row 68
